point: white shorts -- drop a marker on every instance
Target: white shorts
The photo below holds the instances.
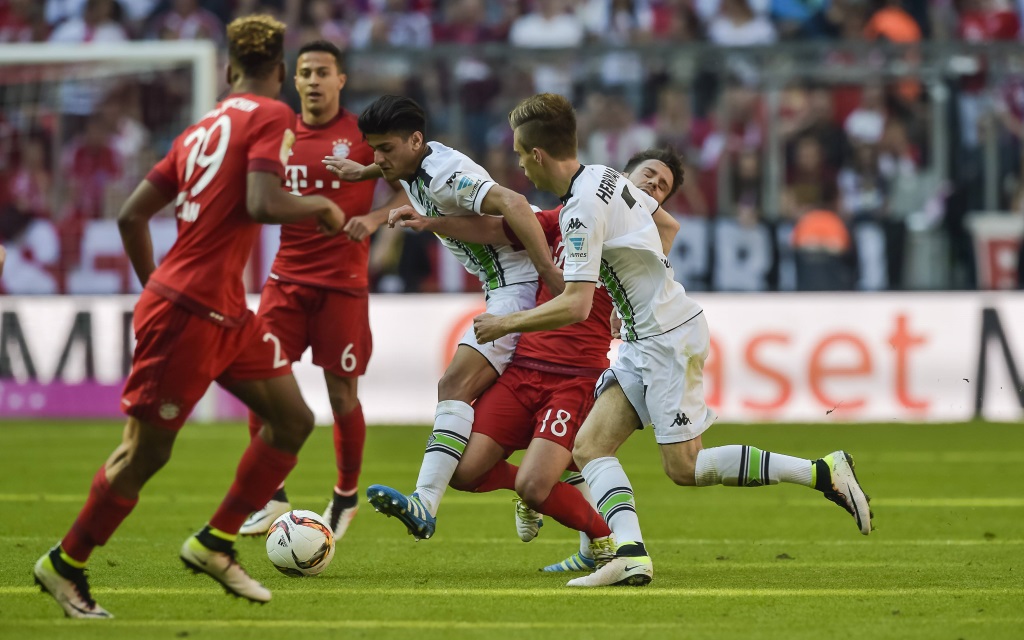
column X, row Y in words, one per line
column 502, row 301
column 663, row 378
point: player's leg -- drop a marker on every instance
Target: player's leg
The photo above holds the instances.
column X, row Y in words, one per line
column 166, row 381
column 114, row 492
column 264, row 465
column 502, row 424
column 349, row 439
column 474, row 368
column 260, row 376
column 734, row 465
column 538, row 484
column 468, row 375
column 283, row 312
column 610, row 423
column 343, row 351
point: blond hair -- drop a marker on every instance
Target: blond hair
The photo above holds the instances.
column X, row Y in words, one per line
column 546, row 121
column 256, row 44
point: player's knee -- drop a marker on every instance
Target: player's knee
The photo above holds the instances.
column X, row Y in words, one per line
column 456, row 386
column 292, row 427
column 343, row 403
column 532, row 491
column 463, row 480
column 145, row 459
column 584, row 450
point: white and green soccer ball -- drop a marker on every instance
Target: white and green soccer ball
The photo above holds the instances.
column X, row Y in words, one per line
column 300, row 543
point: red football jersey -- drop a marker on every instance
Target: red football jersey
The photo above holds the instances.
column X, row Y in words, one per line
column 583, row 345
column 207, row 168
column 306, row 256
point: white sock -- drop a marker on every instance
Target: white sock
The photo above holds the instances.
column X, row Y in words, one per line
column 738, row 465
column 580, row 484
column 614, row 494
column 453, row 422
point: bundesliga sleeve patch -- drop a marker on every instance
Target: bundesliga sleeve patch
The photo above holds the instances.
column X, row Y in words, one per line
column 577, row 247
column 466, row 186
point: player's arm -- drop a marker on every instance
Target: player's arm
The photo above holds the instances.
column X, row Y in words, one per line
column 573, row 305
column 268, row 203
column 350, row 170
column 360, row 227
column 500, row 201
column 133, row 223
column 668, row 227
column 483, row 229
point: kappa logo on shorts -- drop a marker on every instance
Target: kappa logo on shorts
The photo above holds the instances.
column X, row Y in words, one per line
column 680, row 420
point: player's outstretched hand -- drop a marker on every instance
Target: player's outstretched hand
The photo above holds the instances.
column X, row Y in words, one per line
column 345, row 169
column 360, row 228
column 407, row 217
column 489, row 328
column 332, row 221
column 616, row 324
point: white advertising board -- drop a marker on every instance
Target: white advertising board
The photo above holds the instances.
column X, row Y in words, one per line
column 775, row 357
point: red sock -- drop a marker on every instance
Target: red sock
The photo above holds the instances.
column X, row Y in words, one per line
column 260, row 472
column 255, row 424
column 102, row 514
column 568, row 507
column 501, row 476
column 349, row 438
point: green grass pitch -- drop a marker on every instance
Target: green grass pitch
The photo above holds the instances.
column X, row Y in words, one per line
column 946, row 561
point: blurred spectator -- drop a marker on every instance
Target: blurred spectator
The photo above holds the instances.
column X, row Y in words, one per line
column 822, row 244
column 321, row 21
column 818, row 120
column 736, row 25
column 867, row 122
column 396, row 25
column 100, row 22
column 22, row 21
column 892, row 23
column 31, row 185
column 89, row 165
column 548, row 26
column 863, row 191
column 810, row 182
column 619, row 136
column 673, row 118
column 835, row 20
column 615, row 24
column 1009, row 109
column 675, row 21
column 746, row 186
column 474, row 80
column 187, row 20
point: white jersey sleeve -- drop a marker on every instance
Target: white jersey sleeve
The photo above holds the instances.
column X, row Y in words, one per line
column 457, row 187
column 583, row 232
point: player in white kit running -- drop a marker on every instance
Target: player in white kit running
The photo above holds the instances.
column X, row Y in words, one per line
column 658, row 378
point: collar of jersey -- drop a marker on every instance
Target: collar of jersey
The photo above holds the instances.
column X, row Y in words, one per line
column 568, row 192
column 420, row 172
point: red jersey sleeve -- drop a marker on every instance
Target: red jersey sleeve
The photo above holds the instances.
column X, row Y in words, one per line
column 272, row 133
column 548, row 222
column 164, row 176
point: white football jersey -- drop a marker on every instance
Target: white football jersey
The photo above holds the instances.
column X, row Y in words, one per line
column 448, row 183
column 610, row 237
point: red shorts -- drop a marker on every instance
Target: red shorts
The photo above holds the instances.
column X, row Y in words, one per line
column 525, row 404
column 335, row 323
column 178, row 354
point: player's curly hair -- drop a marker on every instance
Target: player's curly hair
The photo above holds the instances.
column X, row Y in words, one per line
column 546, row 121
column 666, row 155
column 256, row 44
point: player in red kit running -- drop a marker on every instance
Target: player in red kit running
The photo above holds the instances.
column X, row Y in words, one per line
column 223, row 175
column 318, row 292
column 540, row 401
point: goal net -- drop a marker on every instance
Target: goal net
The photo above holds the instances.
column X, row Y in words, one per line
column 80, row 125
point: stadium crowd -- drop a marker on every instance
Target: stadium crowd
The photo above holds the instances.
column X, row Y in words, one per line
column 857, row 157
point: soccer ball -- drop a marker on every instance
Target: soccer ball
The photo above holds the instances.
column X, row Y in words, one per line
column 300, row 543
